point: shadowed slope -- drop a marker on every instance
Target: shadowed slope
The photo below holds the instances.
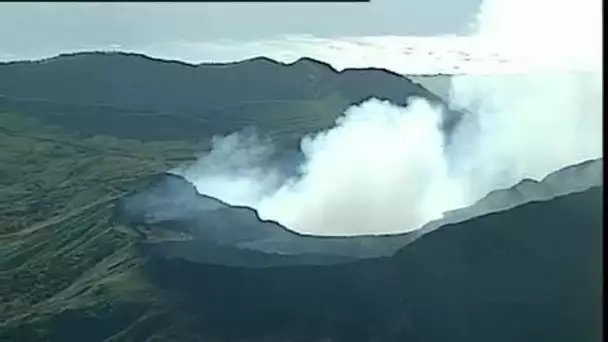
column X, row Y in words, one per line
column 215, row 232
column 234, row 234
column 532, row 273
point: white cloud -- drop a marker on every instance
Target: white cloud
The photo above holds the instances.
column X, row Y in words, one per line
column 406, row 55
column 386, row 169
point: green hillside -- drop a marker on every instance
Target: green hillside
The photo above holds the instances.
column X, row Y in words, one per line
column 78, row 132
column 135, row 96
column 63, row 261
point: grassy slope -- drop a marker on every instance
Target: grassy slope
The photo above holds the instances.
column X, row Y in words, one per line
column 59, row 249
column 63, row 262
column 67, row 151
column 134, row 96
column 68, row 273
column 285, row 121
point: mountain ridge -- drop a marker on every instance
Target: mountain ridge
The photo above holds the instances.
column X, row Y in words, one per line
column 172, row 204
column 64, row 57
column 212, row 222
column 264, row 59
column 477, row 280
column 122, row 92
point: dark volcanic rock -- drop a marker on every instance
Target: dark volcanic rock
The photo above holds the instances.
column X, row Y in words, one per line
column 219, row 233
column 529, row 274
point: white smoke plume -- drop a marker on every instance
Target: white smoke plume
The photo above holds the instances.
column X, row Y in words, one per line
column 236, row 170
column 386, row 169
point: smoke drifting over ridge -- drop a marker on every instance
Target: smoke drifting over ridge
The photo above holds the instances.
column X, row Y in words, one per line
column 385, row 168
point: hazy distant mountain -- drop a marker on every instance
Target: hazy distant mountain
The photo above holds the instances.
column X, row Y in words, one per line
column 438, row 84
column 570, row 179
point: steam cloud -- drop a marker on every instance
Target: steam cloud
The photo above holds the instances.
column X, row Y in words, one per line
column 384, row 168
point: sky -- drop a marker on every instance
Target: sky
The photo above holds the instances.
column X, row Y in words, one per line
column 382, row 33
